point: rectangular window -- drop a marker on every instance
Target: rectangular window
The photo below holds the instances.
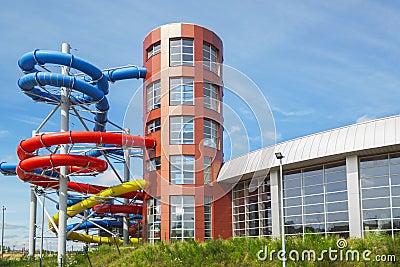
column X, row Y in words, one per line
column 210, row 55
column 154, row 220
column 207, row 170
column 154, row 164
column 379, row 193
column 153, row 125
column 181, row 52
column 315, row 200
column 210, row 96
column 182, row 217
column 154, row 49
column 181, row 130
column 210, row 133
column 181, row 169
column 207, row 218
column 252, row 210
column 181, row 91
column 153, row 95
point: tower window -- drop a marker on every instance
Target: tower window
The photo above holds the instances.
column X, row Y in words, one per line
column 154, row 125
column 210, row 133
column 207, row 218
column 181, row 91
column 210, row 96
column 153, row 95
column 181, row 130
column 210, row 55
column 182, row 217
column 207, row 170
column 154, row 164
column 154, row 49
column 181, row 169
column 181, row 52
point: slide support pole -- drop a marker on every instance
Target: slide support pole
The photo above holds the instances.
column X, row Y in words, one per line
column 125, row 227
column 63, row 189
column 32, row 219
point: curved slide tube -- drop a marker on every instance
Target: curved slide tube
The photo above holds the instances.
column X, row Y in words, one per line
column 92, row 201
column 76, row 163
column 92, row 93
column 30, row 162
column 109, row 208
column 44, row 170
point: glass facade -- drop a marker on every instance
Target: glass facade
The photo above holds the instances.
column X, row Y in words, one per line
column 380, row 193
column 182, row 217
column 315, row 200
column 210, row 55
column 181, row 52
column 210, row 96
column 181, row 169
column 153, row 95
column 210, row 133
column 181, row 130
column 181, row 91
column 154, row 220
column 252, row 210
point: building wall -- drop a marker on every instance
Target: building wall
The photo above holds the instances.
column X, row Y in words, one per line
column 160, row 69
column 351, row 197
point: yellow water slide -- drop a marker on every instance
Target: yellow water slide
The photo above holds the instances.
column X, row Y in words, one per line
column 92, row 201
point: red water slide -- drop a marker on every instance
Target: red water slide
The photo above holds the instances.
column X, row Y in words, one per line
column 76, row 163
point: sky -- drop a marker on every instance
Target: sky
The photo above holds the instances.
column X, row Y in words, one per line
column 320, row 64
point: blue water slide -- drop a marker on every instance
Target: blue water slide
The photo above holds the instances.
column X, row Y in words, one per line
column 28, row 82
column 97, row 152
column 131, row 72
column 93, row 90
column 8, row 169
column 92, row 224
column 29, row 60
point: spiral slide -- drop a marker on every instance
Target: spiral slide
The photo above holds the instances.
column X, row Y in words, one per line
column 43, row 170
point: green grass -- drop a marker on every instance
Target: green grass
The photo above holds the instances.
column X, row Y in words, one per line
column 239, row 252
column 234, row 252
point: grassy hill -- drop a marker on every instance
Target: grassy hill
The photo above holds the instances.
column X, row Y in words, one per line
column 243, row 252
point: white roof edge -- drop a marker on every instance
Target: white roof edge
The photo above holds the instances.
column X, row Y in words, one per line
column 228, row 174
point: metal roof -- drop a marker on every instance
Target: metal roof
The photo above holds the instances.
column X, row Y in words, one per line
column 375, row 136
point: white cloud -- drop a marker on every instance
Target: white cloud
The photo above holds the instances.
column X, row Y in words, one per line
column 107, row 178
column 234, row 128
column 302, row 112
column 4, row 133
column 364, row 118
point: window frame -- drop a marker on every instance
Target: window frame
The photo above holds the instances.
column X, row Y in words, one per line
column 178, row 87
column 211, row 96
column 153, row 94
column 210, row 62
column 154, row 164
column 154, row 125
column 153, row 49
column 185, row 210
column 211, row 139
column 180, row 123
column 183, row 166
column 181, row 46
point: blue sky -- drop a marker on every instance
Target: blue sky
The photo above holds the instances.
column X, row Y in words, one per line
column 320, row 64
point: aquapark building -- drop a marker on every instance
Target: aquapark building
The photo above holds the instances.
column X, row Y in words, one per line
column 343, row 181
